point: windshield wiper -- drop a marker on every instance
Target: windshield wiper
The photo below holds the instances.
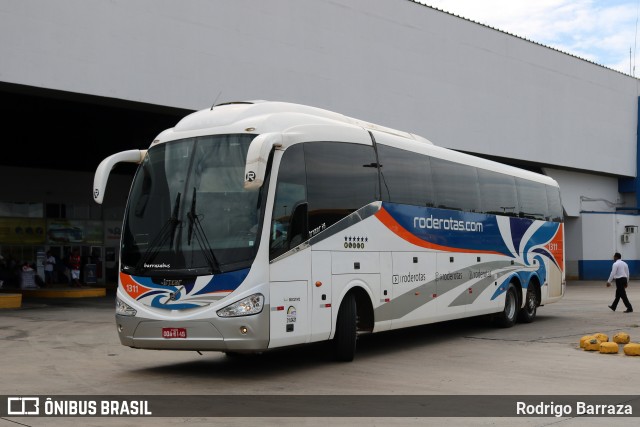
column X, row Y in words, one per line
column 168, row 230
column 201, row 237
column 191, row 216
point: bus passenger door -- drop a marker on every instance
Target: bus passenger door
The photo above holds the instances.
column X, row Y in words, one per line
column 290, row 300
column 321, row 295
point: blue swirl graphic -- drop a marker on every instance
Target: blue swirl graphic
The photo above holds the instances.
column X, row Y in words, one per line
column 157, row 304
column 228, row 281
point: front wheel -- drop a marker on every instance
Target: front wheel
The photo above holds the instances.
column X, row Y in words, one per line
column 344, row 341
column 507, row 318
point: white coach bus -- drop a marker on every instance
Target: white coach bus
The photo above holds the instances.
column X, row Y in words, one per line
column 256, row 225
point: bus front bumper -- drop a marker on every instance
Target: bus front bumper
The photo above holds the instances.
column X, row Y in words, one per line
column 246, row 333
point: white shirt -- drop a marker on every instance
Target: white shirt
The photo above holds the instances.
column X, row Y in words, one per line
column 619, row 269
column 49, row 263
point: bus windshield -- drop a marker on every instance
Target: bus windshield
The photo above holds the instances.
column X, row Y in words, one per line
column 188, row 211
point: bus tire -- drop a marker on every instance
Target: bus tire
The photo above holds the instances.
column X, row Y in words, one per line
column 344, row 341
column 528, row 313
column 507, row 317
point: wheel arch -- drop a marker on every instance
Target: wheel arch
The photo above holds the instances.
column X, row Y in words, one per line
column 364, row 306
column 517, row 282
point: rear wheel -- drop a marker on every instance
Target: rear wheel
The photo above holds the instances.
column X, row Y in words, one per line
column 507, row 318
column 344, row 341
column 528, row 312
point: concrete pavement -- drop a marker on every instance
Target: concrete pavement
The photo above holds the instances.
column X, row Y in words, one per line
column 69, row 346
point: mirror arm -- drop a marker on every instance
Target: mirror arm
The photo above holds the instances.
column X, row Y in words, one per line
column 104, row 169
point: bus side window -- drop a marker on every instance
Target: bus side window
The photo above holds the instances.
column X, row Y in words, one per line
column 298, row 227
column 455, row 185
column 340, row 180
column 290, row 193
column 532, row 200
column 406, row 177
column 499, row 195
column 555, row 205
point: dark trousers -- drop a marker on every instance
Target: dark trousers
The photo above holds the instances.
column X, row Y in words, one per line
column 621, row 293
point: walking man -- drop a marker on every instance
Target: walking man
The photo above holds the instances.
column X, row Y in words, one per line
column 620, row 273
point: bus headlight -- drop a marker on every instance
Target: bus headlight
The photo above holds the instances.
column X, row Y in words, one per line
column 124, row 309
column 250, row 305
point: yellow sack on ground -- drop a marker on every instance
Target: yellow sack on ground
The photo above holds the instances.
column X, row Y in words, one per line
column 592, row 345
column 601, row 337
column 632, row 349
column 584, row 339
column 609, row 348
column 621, row 338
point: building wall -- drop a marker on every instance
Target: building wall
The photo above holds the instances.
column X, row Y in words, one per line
column 595, row 224
column 602, row 237
column 573, row 246
column 395, row 62
column 584, row 192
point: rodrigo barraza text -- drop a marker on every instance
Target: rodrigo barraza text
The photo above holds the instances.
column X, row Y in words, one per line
column 580, row 408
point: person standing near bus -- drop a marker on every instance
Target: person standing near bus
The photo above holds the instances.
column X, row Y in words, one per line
column 620, row 273
column 74, row 263
column 49, row 265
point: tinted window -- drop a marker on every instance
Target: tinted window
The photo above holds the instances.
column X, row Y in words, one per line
column 455, row 186
column 341, row 178
column 406, row 177
column 499, row 196
column 532, row 199
column 290, row 193
column 555, row 204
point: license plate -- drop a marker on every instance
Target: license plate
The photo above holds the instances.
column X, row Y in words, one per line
column 174, row 332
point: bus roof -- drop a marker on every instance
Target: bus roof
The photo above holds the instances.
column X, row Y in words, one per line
column 259, row 116
column 265, row 116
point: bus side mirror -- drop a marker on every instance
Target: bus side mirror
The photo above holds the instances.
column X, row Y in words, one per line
column 104, row 169
column 257, row 157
